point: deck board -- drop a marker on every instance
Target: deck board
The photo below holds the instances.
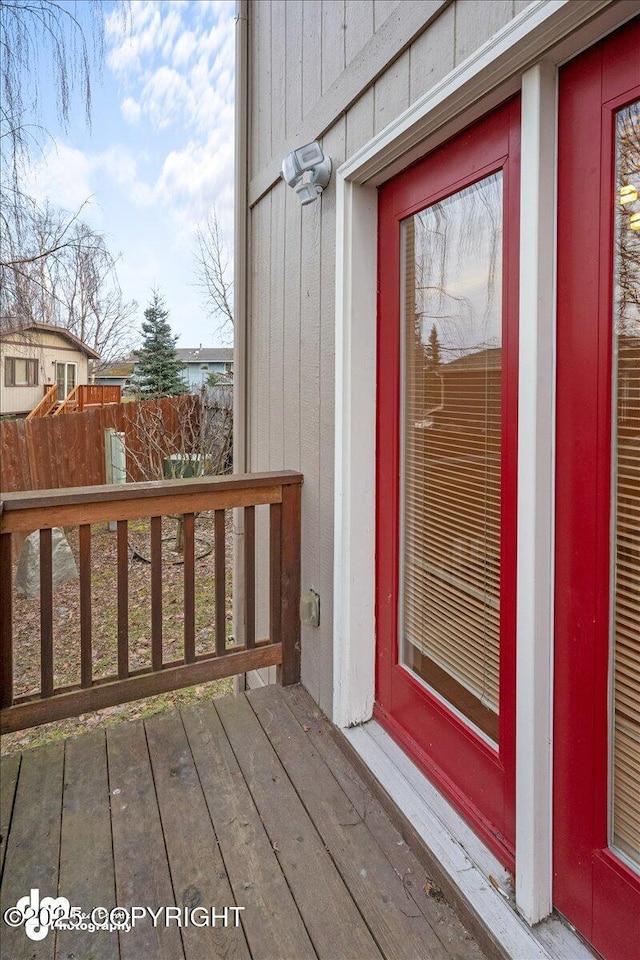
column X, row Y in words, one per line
column 271, row 920
column 86, row 859
column 330, row 915
column 415, row 879
column 9, row 772
column 33, row 846
column 195, row 862
column 246, row 801
column 399, row 928
column 142, row 872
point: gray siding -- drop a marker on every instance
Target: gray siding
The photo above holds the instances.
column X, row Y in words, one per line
column 304, row 57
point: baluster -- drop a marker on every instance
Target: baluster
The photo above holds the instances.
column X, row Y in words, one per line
column 156, row 593
column 250, row 577
column 220, row 571
column 123, row 600
column 275, row 571
column 189, row 589
column 85, row 605
column 46, row 614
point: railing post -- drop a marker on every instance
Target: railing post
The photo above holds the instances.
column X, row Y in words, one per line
column 289, row 670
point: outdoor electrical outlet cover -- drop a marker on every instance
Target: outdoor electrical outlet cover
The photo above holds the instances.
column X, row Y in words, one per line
column 310, row 609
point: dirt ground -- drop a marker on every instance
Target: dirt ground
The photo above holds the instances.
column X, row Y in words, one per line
column 66, row 609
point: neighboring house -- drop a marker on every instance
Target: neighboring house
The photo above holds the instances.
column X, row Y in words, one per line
column 35, row 356
column 116, row 374
column 204, row 361
column 478, row 567
column 199, row 364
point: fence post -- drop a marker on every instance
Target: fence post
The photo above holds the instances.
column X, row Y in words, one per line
column 289, row 670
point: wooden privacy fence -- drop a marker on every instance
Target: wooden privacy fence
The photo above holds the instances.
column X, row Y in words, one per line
column 25, row 512
column 50, row 452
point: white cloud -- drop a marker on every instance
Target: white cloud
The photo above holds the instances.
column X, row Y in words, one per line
column 180, row 74
column 131, row 110
column 68, row 177
column 175, row 62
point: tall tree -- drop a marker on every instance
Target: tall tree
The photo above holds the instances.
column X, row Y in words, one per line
column 432, row 349
column 214, row 273
column 68, row 277
column 159, row 371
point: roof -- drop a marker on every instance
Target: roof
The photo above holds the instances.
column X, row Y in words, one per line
column 119, row 369
column 61, row 331
column 490, row 359
column 205, row 354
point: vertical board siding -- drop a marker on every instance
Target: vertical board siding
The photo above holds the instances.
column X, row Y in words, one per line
column 311, row 53
column 277, row 373
column 292, row 262
column 333, row 41
column 391, row 92
column 476, row 22
column 382, row 9
column 260, row 93
column 359, row 121
column 293, row 59
column 278, row 74
column 358, row 27
column 310, row 451
column 432, row 55
column 259, row 342
column 292, row 254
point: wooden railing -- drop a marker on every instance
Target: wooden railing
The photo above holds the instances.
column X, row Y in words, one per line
column 46, row 405
column 21, row 513
column 89, row 395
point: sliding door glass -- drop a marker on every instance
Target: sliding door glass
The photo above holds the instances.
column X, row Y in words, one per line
column 451, row 449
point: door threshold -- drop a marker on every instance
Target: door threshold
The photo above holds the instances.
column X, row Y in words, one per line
column 468, row 873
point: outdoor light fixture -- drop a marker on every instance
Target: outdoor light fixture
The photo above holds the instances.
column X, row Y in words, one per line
column 308, row 171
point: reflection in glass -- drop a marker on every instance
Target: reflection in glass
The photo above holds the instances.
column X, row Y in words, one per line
column 625, row 806
column 452, row 389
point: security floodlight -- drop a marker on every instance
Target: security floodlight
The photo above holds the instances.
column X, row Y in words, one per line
column 308, row 171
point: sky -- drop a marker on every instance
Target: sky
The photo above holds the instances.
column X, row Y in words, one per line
column 159, row 152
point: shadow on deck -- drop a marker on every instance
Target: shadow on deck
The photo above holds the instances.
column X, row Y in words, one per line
column 246, row 802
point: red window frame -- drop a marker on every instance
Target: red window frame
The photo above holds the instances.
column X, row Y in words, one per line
column 479, row 780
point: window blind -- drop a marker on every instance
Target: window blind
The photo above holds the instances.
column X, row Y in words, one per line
column 452, row 442
column 625, row 819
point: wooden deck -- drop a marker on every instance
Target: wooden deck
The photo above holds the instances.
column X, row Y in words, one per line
column 247, row 801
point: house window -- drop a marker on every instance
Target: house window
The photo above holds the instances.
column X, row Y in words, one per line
column 65, row 378
column 20, row 372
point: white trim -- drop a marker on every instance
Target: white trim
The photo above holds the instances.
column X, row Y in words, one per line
column 554, row 30
column 355, row 464
column 463, row 858
column 536, row 494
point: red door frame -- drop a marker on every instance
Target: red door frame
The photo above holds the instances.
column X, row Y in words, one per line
column 479, row 780
column 592, row 887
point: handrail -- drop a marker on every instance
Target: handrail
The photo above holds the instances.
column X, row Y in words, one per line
column 83, row 506
column 69, row 401
column 45, row 405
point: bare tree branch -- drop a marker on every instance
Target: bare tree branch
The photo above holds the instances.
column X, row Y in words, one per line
column 214, row 272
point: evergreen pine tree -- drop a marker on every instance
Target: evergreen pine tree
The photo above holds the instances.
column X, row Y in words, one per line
column 159, row 371
column 432, row 350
